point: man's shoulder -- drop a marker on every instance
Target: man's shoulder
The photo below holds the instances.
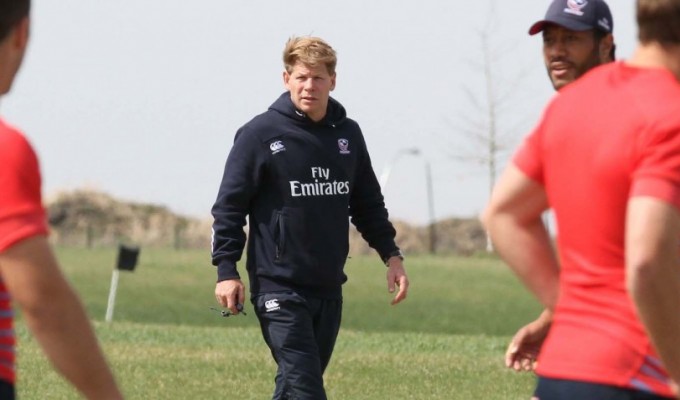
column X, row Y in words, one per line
column 261, row 126
column 10, row 135
column 350, row 123
column 653, row 92
column 598, row 78
column 600, row 92
column 23, row 215
column 13, row 144
column 350, row 127
column 659, row 91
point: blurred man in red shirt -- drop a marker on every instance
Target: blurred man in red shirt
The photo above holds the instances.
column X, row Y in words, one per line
column 606, row 158
column 29, row 273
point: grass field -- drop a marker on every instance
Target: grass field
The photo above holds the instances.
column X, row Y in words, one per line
column 446, row 341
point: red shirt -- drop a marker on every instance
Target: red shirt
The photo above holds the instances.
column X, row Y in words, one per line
column 612, row 135
column 21, row 216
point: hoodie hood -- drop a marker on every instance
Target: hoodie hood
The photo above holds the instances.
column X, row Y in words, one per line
column 335, row 112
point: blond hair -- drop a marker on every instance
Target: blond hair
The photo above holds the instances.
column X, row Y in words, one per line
column 309, row 50
column 659, row 21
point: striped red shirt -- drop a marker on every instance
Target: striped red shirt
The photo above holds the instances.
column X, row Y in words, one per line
column 611, row 135
column 21, row 216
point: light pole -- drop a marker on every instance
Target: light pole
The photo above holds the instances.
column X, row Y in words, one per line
column 430, row 207
column 385, row 175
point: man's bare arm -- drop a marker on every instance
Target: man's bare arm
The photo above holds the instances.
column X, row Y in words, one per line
column 653, row 274
column 513, row 218
column 56, row 317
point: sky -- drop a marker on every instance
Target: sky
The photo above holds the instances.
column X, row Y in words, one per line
column 141, row 98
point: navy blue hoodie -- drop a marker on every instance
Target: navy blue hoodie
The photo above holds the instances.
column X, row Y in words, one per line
column 299, row 182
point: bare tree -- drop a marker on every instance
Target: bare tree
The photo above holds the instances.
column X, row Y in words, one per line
column 481, row 127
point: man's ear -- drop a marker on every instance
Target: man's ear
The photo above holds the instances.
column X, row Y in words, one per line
column 333, row 81
column 19, row 34
column 605, row 50
column 286, row 77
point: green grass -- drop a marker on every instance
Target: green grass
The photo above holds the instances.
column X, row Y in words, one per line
column 446, row 341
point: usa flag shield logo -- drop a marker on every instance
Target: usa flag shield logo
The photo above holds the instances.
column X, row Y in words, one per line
column 576, row 6
column 343, row 145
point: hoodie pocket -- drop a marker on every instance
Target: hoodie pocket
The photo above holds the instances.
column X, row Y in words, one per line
column 279, row 235
column 291, row 236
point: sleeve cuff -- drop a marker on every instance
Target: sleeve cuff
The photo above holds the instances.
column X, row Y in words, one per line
column 387, row 252
column 227, row 270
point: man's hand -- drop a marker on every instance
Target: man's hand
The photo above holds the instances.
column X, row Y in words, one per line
column 526, row 344
column 396, row 277
column 229, row 293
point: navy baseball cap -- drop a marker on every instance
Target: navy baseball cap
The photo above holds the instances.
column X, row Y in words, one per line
column 577, row 15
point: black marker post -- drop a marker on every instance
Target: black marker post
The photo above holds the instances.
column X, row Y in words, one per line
column 127, row 260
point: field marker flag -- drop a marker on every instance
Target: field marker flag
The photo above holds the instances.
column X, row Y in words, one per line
column 127, row 261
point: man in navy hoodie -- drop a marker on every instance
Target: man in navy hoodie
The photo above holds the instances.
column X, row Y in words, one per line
column 300, row 171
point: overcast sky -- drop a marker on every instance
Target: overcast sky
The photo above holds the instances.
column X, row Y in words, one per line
column 141, row 98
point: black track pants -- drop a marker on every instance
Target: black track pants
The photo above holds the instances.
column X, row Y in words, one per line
column 559, row 389
column 6, row 391
column 300, row 332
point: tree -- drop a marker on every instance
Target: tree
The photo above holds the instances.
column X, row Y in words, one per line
column 481, row 128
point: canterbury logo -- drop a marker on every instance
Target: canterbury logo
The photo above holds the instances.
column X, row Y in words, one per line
column 272, row 305
column 277, row 147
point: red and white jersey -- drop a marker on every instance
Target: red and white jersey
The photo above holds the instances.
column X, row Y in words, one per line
column 21, row 216
column 611, row 135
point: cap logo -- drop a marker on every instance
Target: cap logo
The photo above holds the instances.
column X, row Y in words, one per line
column 604, row 23
column 576, row 7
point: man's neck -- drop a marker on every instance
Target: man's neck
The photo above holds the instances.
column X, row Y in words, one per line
column 655, row 55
